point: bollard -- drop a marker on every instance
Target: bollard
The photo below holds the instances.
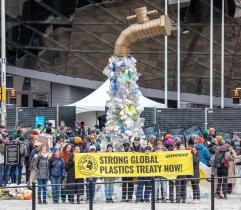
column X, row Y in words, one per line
column 90, row 194
column 153, row 207
column 33, row 196
column 212, row 191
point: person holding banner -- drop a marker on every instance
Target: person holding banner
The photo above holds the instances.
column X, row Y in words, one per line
column 127, row 182
column 181, row 184
column 169, row 143
column 78, row 187
column 92, row 149
column 109, row 185
column 161, row 182
column 136, row 145
column 144, row 182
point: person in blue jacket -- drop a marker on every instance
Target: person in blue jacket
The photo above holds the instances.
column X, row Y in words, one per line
column 57, row 173
column 203, row 151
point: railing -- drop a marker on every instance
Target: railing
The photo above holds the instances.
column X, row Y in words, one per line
column 151, row 192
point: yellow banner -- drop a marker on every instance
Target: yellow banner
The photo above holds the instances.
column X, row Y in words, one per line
column 133, row 164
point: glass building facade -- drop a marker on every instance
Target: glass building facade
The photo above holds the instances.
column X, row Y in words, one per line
column 76, row 37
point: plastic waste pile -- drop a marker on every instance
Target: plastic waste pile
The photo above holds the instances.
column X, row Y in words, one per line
column 123, row 115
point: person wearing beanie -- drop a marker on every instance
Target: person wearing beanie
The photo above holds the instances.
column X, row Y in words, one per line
column 200, row 140
column 168, row 136
column 57, row 171
column 203, row 151
column 136, row 145
column 109, row 182
column 219, row 140
column 205, row 134
column 169, row 143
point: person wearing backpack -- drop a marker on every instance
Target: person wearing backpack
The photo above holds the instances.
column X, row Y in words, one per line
column 222, row 164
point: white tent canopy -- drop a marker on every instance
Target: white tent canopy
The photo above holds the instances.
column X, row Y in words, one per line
column 96, row 101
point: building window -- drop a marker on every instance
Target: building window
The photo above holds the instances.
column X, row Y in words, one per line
column 24, row 100
column 40, row 100
column 26, row 84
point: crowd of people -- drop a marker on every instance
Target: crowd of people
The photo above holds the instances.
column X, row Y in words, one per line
column 53, row 163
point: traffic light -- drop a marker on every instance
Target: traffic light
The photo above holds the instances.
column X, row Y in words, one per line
column 12, row 93
column 236, row 96
column 3, row 94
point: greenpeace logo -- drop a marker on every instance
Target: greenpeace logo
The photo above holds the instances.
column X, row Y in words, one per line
column 176, row 155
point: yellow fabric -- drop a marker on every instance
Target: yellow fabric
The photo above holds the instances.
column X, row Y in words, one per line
column 77, row 139
column 120, row 164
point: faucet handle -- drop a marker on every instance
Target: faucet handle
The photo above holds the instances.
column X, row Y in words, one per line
column 132, row 17
column 142, row 15
column 153, row 12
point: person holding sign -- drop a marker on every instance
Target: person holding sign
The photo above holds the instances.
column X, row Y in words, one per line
column 78, row 187
column 144, row 182
column 127, row 182
column 109, row 185
column 161, row 183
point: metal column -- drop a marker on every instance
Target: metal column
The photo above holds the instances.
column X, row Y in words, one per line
column 222, row 57
column 178, row 56
column 211, row 54
column 166, row 61
column 3, row 64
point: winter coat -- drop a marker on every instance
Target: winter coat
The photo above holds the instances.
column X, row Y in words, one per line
column 196, row 162
column 2, row 153
column 231, row 170
column 23, row 152
column 213, row 165
column 29, row 149
column 57, row 167
column 41, row 166
column 73, row 189
column 133, row 148
column 203, row 153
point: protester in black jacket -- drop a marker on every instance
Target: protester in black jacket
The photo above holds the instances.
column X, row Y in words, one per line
column 136, row 145
column 196, row 176
column 127, row 182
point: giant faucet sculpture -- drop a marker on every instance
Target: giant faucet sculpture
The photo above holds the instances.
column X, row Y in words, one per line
column 123, row 114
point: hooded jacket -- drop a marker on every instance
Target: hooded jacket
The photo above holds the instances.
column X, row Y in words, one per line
column 203, row 153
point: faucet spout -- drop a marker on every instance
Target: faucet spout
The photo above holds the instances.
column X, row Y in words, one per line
column 144, row 28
